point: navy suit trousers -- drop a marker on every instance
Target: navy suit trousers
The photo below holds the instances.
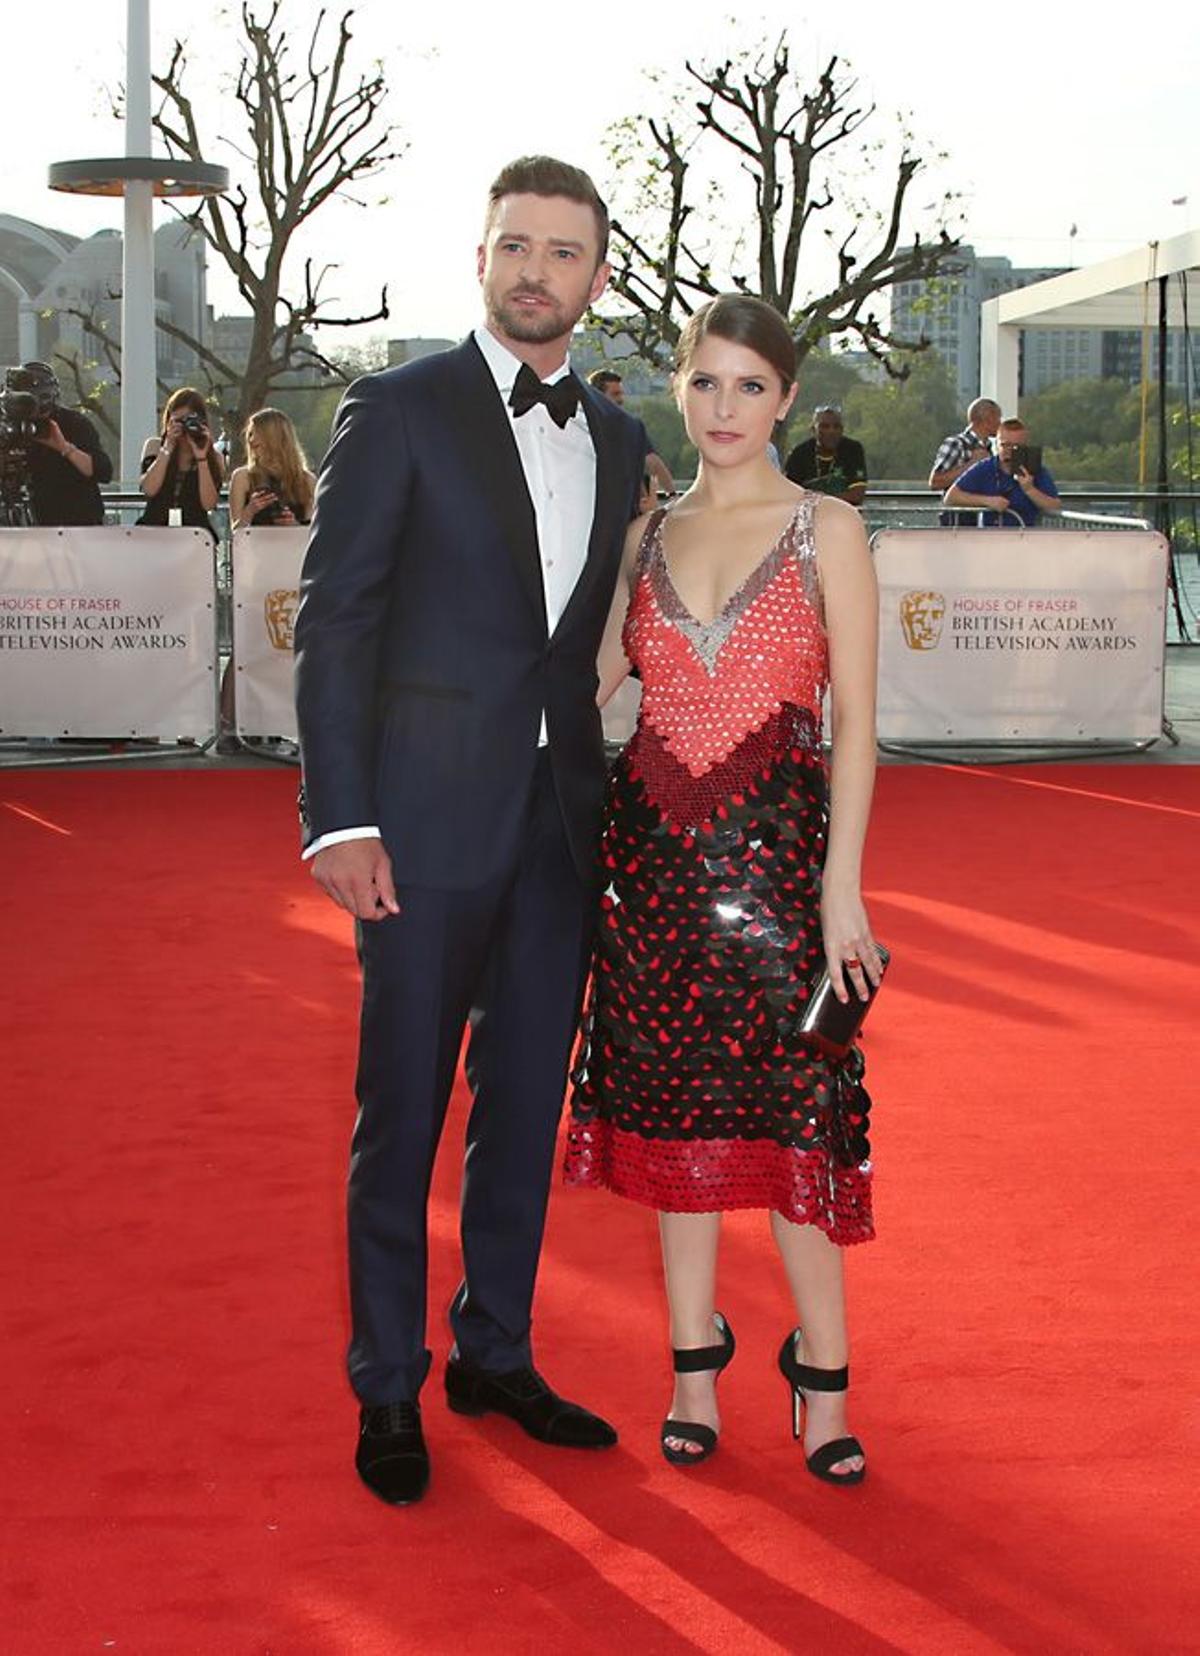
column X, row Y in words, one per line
column 509, row 959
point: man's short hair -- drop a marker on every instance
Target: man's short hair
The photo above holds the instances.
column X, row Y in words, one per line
column 600, row 377
column 1013, row 423
column 542, row 175
column 982, row 405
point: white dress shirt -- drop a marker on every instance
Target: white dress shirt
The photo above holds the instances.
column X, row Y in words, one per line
column 559, row 464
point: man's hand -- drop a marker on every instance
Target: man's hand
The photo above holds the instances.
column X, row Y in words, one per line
column 998, row 503
column 357, row 874
column 53, row 438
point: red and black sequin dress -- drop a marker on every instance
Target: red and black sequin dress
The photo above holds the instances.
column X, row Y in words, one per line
column 693, row 1091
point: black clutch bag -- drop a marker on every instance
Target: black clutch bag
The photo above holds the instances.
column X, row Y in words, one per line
column 832, row 1024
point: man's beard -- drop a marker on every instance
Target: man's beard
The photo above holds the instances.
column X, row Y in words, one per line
column 534, row 327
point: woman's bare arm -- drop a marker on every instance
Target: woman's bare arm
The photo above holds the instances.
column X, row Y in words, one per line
column 612, row 664
column 852, row 621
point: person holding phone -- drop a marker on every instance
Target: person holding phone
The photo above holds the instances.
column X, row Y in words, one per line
column 733, row 880
column 275, row 488
column 1011, row 481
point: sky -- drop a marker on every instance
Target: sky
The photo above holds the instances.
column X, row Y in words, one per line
column 1049, row 116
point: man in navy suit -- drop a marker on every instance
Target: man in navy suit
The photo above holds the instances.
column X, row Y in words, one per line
column 465, row 545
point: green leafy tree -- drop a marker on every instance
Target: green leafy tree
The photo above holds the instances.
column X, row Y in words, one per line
column 826, row 380
column 664, row 426
column 1092, row 431
column 901, row 423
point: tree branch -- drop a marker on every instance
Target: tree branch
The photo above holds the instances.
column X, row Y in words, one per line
column 786, row 137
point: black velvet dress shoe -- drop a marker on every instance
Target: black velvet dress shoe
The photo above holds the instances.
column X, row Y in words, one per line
column 391, row 1458
column 525, row 1397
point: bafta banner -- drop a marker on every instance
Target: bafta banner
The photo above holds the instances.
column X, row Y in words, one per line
column 266, row 581
column 266, row 592
column 107, row 632
column 1051, row 635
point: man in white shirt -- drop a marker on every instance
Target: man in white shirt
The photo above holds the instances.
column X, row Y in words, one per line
column 467, row 533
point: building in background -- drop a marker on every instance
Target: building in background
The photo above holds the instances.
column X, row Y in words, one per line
column 29, row 256
column 946, row 310
column 229, row 338
column 54, row 287
column 411, row 350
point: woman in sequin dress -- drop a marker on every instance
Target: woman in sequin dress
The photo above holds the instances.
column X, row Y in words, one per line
column 733, row 876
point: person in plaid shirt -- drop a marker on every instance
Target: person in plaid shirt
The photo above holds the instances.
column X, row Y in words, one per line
column 961, row 450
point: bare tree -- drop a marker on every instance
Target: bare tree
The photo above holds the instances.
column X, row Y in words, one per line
column 312, row 134
column 754, row 110
column 86, row 375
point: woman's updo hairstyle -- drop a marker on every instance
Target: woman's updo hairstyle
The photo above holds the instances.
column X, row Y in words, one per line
column 743, row 321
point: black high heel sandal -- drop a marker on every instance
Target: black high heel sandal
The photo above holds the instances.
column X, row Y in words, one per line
column 801, row 1377
column 695, row 1361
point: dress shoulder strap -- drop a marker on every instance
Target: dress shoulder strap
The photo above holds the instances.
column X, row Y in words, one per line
column 804, row 534
column 649, row 536
column 804, row 548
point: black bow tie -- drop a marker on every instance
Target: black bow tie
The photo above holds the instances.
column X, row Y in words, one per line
column 561, row 398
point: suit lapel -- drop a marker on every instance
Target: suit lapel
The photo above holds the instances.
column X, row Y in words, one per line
column 479, row 413
column 610, row 511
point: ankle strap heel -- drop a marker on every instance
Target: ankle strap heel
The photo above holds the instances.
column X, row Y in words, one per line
column 802, row 1378
column 697, row 1360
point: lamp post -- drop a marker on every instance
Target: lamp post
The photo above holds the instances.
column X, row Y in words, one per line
column 139, row 177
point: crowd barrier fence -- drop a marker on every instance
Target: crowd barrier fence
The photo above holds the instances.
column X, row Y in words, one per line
column 1021, row 636
column 107, row 633
column 987, row 636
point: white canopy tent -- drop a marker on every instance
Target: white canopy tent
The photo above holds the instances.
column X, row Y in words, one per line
column 1115, row 294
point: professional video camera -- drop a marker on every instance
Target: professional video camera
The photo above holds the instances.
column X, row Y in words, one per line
column 27, row 401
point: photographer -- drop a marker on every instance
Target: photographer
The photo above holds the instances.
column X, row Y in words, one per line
column 1011, row 480
column 182, row 471
column 65, row 461
column 276, row 487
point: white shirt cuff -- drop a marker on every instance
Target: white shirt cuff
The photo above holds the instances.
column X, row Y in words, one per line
column 335, row 837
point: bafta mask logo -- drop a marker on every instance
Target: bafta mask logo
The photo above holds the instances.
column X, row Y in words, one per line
column 279, row 609
column 921, row 617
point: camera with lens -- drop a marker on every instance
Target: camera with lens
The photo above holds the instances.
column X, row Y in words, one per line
column 196, row 427
column 26, row 405
column 18, row 420
column 27, row 402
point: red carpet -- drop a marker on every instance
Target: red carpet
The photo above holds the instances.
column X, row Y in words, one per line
column 179, row 1025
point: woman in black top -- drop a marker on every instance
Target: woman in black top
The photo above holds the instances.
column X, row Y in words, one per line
column 181, row 470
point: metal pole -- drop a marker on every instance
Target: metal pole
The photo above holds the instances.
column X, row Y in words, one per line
column 1165, row 515
column 999, row 357
column 138, row 400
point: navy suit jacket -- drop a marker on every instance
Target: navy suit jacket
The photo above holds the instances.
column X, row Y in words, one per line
column 423, row 663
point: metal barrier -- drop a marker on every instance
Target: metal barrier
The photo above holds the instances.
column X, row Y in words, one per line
column 1020, row 640
column 108, row 638
column 884, row 510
